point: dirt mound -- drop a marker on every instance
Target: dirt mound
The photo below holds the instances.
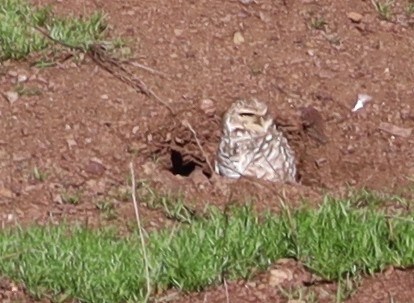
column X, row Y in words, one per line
column 183, row 141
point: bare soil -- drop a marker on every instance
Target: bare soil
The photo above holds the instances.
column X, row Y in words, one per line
column 81, row 127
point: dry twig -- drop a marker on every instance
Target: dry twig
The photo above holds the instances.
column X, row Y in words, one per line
column 98, row 54
column 141, row 233
column 149, row 69
column 188, row 125
column 227, row 291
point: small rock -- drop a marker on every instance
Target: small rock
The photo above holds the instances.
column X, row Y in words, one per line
column 264, row 17
column 6, row 193
column 104, row 97
column 323, row 294
column 135, row 129
column 57, row 199
column 361, row 27
column 389, row 271
column 278, row 276
column 199, row 179
column 247, row 1
column 10, row 217
column 354, row 17
column 319, row 162
column 395, row 130
column 167, row 138
column 226, row 18
column 178, row 140
column 208, row 107
column 178, row 32
column 12, row 73
column 406, row 114
column 71, row 143
column 314, row 124
column 261, row 286
column 21, row 78
column 238, row 38
column 95, row 167
column 25, row 131
column 14, row 288
column 11, row 96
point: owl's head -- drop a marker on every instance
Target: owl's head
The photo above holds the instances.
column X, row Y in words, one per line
column 247, row 115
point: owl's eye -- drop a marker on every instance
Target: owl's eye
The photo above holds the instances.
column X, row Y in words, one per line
column 247, row 115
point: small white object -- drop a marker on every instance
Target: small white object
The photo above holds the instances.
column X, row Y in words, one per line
column 11, row 96
column 135, row 129
column 21, row 78
column 362, row 99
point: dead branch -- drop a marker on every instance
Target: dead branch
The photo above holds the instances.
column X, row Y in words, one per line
column 188, row 125
column 98, row 55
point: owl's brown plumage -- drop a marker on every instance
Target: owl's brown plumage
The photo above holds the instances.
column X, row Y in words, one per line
column 252, row 146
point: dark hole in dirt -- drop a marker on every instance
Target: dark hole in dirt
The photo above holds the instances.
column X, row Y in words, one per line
column 179, row 167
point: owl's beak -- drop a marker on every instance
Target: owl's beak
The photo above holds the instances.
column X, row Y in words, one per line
column 266, row 123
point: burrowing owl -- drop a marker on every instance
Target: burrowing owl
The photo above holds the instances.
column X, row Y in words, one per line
column 252, row 146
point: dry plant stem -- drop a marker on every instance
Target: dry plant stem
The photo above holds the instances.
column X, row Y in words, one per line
column 375, row 4
column 97, row 54
column 188, row 125
column 227, row 291
column 110, row 65
column 399, row 218
column 149, row 69
column 140, row 229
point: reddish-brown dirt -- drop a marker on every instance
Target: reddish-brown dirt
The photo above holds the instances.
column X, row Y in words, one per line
column 83, row 126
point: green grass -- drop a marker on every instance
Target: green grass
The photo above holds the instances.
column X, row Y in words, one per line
column 336, row 241
column 70, row 197
column 318, row 23
column 38, row 174
column 18, row 38
column 383, row 8
column 409, row 10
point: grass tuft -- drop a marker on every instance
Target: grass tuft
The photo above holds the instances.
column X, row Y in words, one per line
column 318, row 23
column 384, row 9
column 409, row 10
column 335, row 241
column 19, row 38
